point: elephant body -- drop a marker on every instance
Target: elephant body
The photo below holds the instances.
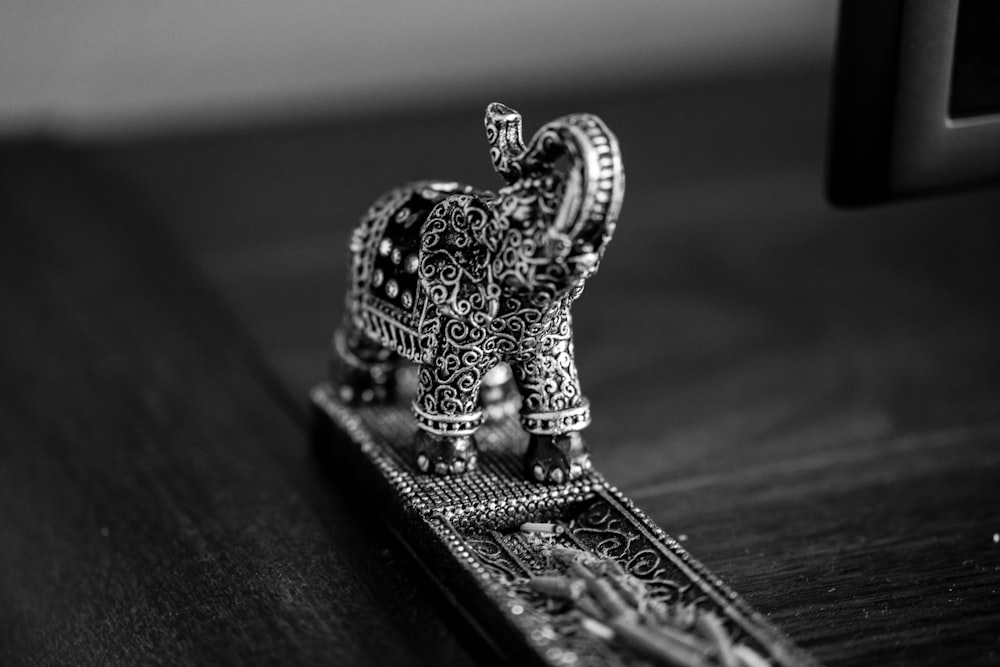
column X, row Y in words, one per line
column 459, row 280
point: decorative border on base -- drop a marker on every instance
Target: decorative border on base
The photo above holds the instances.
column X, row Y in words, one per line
column 472, row 528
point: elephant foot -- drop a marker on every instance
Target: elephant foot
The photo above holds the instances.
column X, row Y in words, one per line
column 362, row 371
column 556, row 458
column 362, row 387
column 445, row 454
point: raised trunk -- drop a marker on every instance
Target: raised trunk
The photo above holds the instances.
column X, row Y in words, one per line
column 503, row 132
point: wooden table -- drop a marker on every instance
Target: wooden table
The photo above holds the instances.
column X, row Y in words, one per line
column 809, row 398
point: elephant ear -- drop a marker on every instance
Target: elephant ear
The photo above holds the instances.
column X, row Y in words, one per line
column 455, row 252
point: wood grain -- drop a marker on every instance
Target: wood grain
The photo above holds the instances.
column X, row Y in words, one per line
column 811, row 397
column 158, row 501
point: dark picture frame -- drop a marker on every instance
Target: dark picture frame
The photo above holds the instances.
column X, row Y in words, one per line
column 896, row 130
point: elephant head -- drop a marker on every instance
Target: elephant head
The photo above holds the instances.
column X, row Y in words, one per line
column 541, row 235
column 461, row 280
column 556, row 224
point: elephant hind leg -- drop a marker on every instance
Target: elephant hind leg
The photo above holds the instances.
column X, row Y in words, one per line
column 362, row 370
column 498, row 395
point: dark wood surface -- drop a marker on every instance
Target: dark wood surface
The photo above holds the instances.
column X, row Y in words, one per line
column 809, row 398
column 158, row 501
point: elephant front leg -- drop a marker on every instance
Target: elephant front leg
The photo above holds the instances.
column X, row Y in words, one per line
column 556, row 451
column 498, row 396
column 553, row 412
column 448, row 414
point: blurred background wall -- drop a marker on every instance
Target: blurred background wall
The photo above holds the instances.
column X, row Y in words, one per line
column 111, row 66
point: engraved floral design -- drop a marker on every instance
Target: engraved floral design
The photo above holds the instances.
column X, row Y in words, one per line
column 460, row 280
column 599, row 582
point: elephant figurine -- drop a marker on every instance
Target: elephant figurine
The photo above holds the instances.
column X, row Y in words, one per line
column 463, row 281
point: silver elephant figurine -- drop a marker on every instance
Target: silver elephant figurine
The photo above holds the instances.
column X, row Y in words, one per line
column 463, row 281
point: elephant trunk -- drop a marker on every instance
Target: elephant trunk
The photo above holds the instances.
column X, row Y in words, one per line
column 503, row 131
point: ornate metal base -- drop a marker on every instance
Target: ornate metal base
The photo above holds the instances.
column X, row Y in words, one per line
column 560, row 575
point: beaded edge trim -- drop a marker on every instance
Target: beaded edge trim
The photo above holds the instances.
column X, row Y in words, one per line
column 781, row 650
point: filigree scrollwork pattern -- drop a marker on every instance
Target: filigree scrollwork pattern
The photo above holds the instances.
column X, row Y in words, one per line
column 611, row 543
column 608, row 534
column 460, row 280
